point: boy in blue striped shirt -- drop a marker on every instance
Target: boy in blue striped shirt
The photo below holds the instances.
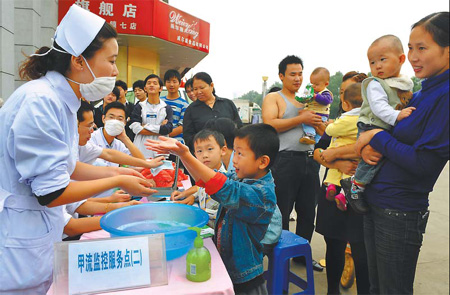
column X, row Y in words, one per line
column 172, row 80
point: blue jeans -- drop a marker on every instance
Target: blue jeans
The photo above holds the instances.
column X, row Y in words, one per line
column 366, row 172
column 393, row 240
column 310, row 131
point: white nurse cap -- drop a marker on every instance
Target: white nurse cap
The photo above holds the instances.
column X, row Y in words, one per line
column 76, row 31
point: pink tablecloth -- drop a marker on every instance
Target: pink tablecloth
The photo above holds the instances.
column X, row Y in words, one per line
column 220, row 282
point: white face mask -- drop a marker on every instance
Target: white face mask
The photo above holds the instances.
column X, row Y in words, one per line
column 98, row 88
column 114, row 127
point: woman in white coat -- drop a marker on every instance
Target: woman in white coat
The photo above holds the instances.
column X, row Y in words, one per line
column 38, row 148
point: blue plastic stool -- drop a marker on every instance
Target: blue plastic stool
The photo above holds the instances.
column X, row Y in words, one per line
column 278, row 275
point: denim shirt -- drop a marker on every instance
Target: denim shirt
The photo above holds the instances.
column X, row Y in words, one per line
column 248, row 205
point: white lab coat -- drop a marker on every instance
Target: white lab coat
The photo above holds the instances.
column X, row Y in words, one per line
column 38, row 151
column 152, row 116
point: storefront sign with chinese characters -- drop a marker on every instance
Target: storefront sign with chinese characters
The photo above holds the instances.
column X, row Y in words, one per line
column 148, row 18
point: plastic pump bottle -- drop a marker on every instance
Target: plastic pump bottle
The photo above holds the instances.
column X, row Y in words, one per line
column 198, row 260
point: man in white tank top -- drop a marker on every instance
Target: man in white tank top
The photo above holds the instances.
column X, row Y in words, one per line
column 295, row 172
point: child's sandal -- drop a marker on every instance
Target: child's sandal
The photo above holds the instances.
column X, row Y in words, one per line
column 331, row 192
column 341, row 202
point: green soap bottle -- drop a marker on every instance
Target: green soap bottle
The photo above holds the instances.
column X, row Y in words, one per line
column 198, row 260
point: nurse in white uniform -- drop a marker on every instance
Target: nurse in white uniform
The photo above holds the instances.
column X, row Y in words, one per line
column 38, row 148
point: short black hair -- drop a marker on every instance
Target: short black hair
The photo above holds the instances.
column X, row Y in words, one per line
column 151, row 76
column 189, row 83
column 114, row 105
column 226, row 127
column 122, row 84
column 352, row 95
column 206, row 133
column 116, row 93
column 288, row 60
column 172, row 74
column 139, row 84
column 274, row 89
column 84, row 108
column 262, row 140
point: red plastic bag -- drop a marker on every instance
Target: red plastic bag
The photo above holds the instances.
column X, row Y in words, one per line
column 165, row 177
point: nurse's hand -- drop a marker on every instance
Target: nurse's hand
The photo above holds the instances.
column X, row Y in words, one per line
column 156, row 162
column 129, row 171
column 114, row 206
column 188, row 200
column 135, row 186
column 119, row 196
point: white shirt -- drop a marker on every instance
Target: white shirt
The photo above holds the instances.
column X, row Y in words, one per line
column 89, row 152
column 39, row 134
column 69, row 212
column 152, row 116
column 38, row 153
column 99, row 140
column 379, row 103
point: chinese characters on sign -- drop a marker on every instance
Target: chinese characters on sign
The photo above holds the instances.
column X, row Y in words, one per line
column 108, row 264
column 147, row 18
column 106, row 9
column 129, row 11
column 89, row 262
column 186, row 31
column 83, row 4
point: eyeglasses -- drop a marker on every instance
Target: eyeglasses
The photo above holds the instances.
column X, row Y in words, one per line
column 90, row 126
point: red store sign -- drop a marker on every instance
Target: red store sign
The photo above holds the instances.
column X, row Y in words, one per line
column 147, row 18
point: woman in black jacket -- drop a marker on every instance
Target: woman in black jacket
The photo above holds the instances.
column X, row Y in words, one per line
column 207, row 106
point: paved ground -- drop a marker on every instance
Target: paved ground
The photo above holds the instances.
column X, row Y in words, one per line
column 432, row 276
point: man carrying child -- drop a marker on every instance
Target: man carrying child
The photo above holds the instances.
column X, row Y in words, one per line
column 295, row 172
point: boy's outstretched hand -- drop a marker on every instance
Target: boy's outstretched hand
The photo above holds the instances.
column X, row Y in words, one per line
column 167, row 145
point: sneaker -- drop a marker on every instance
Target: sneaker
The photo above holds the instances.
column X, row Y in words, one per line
column 341, row 202
column 358, row 204
column 346, row 185
column 307, row 140
column 331, row 192
column 354, row 199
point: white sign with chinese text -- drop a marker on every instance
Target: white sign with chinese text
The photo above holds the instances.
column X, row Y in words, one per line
column 108, row 264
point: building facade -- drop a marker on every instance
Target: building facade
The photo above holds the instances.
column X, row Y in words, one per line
column 25, row 26
column 153, row 36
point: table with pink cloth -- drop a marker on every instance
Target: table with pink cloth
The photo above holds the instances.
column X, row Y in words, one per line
column 219, row 283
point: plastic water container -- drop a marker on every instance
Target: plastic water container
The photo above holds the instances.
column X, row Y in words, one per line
column 153, row 218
